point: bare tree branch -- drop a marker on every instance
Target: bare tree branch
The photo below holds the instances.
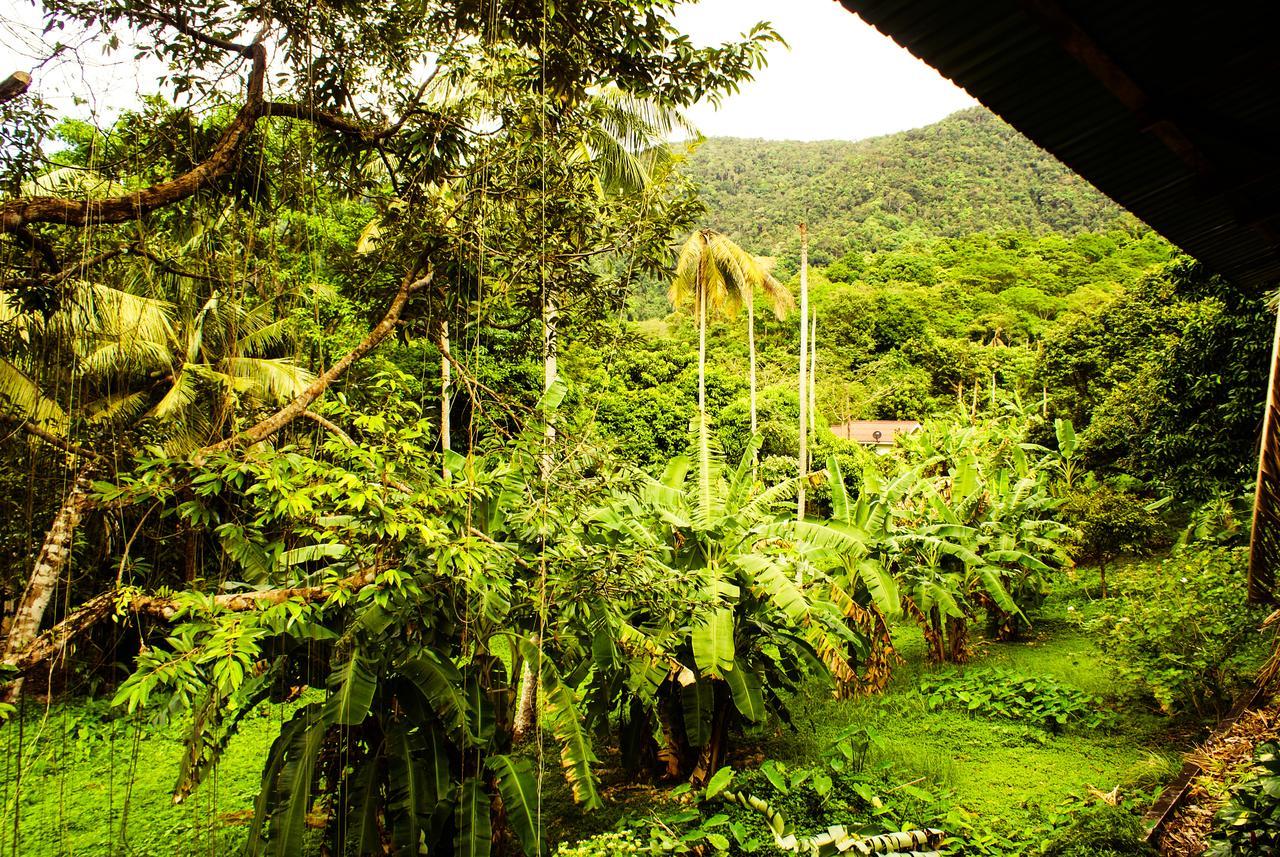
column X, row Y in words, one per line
column 281, row 418
column 53, row 643
column 48, row 437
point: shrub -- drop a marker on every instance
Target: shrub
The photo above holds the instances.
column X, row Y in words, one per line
column 1184, row 634
column 1101, row 830
column 1249, row 822
column 1110, row 524
column 1003, row 693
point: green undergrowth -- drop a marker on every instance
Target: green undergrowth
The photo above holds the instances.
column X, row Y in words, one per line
column 77, row 781
column 94, row 785
column 1008, row 784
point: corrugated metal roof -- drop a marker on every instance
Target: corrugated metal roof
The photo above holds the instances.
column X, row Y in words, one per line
column 1172, row 111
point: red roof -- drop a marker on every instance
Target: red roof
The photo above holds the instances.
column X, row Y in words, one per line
column 874, row 431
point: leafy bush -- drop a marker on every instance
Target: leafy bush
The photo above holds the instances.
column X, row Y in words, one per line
column 1003, row 693
column 1249, row 823
column 1110, row 524
column 777, row 809
column 1184, row 634
column 1101, row 830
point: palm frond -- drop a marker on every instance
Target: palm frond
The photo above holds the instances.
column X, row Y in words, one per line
column 21, row 397
column 278, row 378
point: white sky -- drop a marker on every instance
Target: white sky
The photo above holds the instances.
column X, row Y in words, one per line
column 840, row 79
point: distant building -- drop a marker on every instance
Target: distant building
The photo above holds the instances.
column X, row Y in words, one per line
column 878, row 434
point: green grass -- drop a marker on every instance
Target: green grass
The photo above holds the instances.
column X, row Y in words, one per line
column 999, row 770
column 76, row 783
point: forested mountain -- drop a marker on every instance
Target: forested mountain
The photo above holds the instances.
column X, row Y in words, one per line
column 970, row 172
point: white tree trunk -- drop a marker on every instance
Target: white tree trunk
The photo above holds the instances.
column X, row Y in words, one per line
column 751, row 348
column 804, row 360
column 813, row 376
column 46, row 572
column 702, row 342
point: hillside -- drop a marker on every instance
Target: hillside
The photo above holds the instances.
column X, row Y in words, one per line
column 970, row 172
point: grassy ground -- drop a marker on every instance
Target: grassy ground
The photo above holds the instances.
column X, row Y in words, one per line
column 90, row 785
column 75, row 782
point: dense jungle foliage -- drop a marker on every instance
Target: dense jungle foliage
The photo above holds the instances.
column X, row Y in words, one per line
column 407, row 452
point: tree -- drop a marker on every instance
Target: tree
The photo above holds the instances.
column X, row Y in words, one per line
column 715, row 275
column 1111, row 524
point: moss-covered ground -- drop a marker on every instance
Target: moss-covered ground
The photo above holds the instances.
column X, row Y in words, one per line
column 75, row 781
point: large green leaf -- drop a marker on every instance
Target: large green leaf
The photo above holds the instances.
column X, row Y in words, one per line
column 409, row 794
column 480, row 714
column 519, row 792
column 995, row 587
column 748, row 696
column 696, row 701
column 361, row 834
column 713, row 649
column 576, row 754
column 475, row 831
column 351, row 688
column 840, row 507
column 880, row 582
column 1066, row 436
column 779, row 587
column 440, row 682
column 281, row 810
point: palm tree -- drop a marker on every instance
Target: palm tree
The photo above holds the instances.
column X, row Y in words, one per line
column 122, row 359
column 713, row 274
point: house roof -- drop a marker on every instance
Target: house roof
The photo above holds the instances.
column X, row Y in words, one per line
column 1172, row 111
column 873, row 431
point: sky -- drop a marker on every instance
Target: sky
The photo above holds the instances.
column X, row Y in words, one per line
column 839, row 79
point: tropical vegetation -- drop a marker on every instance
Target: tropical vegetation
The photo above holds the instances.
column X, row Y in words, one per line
column 411, row 449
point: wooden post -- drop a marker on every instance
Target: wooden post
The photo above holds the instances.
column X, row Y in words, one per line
column 1264, row 540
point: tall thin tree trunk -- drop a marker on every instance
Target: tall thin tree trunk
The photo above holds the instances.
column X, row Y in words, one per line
column 751, row 349
column 711, row 757
column 46, row 572
column 527, row 702
column 702, row 337
column 813, row 376
column 446, row 393
column 804, row 359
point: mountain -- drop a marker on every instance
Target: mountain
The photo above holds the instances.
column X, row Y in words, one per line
column 971, row 172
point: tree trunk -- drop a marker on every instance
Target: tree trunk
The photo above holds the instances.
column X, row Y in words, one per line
column 446, row 395
column 526, row 702
column 751, row 350
column 702, row 337
column 813, row 376
column 46, row 572
column 675, row 753
column 712, row 756
column 957, row 639
column 804, row 355
column 1102, row 573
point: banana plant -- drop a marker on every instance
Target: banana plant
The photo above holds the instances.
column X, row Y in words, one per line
column 681, row 681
